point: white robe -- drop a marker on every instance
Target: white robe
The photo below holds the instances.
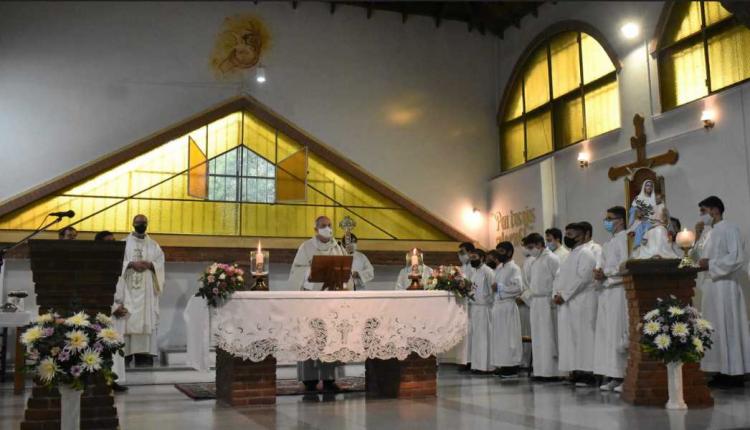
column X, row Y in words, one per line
column 577, row 315
column 525, row 313
column 479, row 313
column 724, row 303
column 538, row 295
column 141, row 294
column 562, row 252
column 118, row 362
column 506, row 349
column 361, row 265
column 657, row 245
column 702, row 281
column 611, row 338
column 301, row 265
column 403, row 281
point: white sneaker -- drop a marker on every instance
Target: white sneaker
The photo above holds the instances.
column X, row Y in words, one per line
column 581, row 384
column 618, row 389
column 609, row 386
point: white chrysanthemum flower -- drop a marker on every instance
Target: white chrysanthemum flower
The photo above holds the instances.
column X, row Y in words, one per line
column 680, row 329
column 703, row 325
column 103, row 319
column 31, row 335
column 662, row 341
column 651, row 328
column 78, row 320
column 47, row 369
column 45, row 318
column 698, row 344
column 675, row 310
column 109, row 336
column 77, row 340
column 91, row 360
column 651, row 315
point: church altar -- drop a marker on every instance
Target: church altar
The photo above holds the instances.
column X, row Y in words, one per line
column 398, row 335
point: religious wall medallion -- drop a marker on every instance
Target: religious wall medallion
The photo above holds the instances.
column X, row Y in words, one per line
column 241, row 42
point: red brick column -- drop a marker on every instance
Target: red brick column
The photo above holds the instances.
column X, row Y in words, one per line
column 413, row 377
column 97, row 409
column 645, row 377
column 243, row 382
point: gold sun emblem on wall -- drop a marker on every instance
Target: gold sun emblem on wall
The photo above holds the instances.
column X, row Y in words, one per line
column 239, row 45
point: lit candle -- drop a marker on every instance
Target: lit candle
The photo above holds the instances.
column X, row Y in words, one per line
column 414, row 258
column 259, row 257
column 685, row 239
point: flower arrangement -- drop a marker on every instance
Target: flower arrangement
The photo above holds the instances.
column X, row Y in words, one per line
column 450, row 278
column 219, row 281
column 71, row 351
column 675, row 333
column 644, row 208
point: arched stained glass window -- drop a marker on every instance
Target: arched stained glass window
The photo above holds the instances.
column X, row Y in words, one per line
column 702, row 49
column 565, row 92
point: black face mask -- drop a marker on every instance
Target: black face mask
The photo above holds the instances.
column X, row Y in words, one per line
column 570, row 242
column 504, row 258
column 492, row 264
column 140, row 228
column 476, row 263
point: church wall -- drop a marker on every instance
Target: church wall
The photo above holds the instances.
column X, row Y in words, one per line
column 710, row 162
column 79, row 80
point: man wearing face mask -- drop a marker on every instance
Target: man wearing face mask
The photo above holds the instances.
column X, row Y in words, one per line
column 611, row 338
column 143, row 277
column 538, row 294
column 506, row 351
column 362, row 270
column 482, row 278
column 723, row 303
column 553, row 237
column 595, row 248
column 311, row 371
column 575, row 296
column 463, row 256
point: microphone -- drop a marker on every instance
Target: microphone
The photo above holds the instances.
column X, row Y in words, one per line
column 67, row 214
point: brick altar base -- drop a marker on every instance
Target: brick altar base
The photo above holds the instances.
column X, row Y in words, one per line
column 413, row 377
column 243, row 382
column 97, row 409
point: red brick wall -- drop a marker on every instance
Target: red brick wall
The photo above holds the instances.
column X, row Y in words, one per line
column 242, row 382
column 412, row 377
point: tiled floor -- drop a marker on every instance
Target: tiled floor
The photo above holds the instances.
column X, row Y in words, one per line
column 464, row 402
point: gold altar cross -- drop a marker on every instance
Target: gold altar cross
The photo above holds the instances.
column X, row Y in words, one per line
column 638, row 142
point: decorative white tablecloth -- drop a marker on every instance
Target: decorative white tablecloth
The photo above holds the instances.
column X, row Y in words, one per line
column 340, row 326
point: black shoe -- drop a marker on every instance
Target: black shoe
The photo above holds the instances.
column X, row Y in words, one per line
column 465, row 368
column 311, row 386
column 144, row 360
column 117, row 388
column 330, row 387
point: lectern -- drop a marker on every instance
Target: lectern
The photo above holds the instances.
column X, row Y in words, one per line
column 332, row 270
column 69, row 276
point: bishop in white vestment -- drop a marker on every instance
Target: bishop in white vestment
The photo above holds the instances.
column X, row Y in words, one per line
column 362, row 270
column 143, row 278
column 482, row 279
column 505, row 345
column 723, row 302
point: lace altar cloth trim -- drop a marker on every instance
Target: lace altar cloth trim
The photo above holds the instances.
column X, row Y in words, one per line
column 340, row 326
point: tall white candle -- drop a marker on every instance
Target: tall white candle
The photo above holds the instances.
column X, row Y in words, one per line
column 414, row 258
column 259, row 256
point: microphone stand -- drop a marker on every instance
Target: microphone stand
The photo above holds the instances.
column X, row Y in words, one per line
column 15, row 245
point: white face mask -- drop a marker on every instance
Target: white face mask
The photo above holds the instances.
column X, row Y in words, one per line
column 526, row 252
column 463, row 258
column 707, row 219
column 325, row 232
column 536, row 252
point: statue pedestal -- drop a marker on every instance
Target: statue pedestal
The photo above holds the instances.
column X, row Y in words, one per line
column 645, row 377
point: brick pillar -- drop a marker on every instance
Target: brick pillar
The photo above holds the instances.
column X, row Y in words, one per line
column 413, row 377
column 645, row 377
column 43, row 409
column 243, row 382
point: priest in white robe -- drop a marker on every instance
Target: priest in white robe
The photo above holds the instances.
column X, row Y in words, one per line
column 575, row 295
column 362, row 270
column 702, row 281
column 553, row 237
column 538, row 294
column 611, row 333
column 482, row 278
column 723, row 301
column 310, row 372
column 143, row 277
column 505, row 346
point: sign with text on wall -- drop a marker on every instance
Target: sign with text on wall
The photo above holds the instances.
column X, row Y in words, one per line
column 513, row 226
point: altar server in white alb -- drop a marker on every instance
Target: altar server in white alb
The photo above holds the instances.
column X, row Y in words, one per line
column 143, row 277
column 575, row 295
column 362, row 270
column 611, row 339
column 323, row 243
column 505, row 344
column 723, row 302
column 553, row 237
column 403, row 281
column 538, row 294
column 482, row 278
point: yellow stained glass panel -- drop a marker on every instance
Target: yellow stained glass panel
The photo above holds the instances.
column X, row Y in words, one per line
column 569, row 122
column 683, row 75
column 536, row 80
column 512, row 146
column 515, row 104
column 224, row 134
column 596, row 62
column 715, row 12
column 259, row 137
column 538, row 135
column 685, row 21
column 602, row 109
column 566, row 73
column 729, row 57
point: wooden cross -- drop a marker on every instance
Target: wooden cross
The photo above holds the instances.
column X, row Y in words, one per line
column 638, row 142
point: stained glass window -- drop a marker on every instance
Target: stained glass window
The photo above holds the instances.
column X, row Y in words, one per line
column 568, row 92
column 703, row 49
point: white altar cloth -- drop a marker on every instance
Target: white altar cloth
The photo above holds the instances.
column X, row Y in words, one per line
column 345, row 326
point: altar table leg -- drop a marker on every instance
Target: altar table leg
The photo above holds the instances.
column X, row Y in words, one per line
column 413, row 377
column 243, row 382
